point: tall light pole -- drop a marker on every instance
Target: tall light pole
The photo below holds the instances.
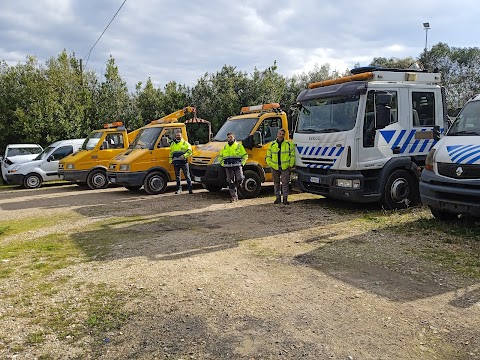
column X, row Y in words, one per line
column 426, row 27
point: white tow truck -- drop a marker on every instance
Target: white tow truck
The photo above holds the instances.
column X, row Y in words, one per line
column 365, row 137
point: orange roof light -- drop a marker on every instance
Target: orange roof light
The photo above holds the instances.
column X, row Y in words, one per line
column 259, row 108
column 113, row 125
column 362, row 76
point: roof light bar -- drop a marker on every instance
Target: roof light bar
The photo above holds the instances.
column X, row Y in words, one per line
column 259, row 108
column 113, row 125
column 362, row 76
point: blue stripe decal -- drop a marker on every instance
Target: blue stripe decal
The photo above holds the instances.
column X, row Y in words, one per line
column 471, row 161
column 331, row 151
column 340, row 151
column 422, row 149
column 460, row 149
column 399, row 138
column 387, row 135
column 407, row 142
column 299, row 149
column 311, row 151
column 466, row 149
column 325, row 150
column 318, row 150
column 306, row 149
column 469, row 153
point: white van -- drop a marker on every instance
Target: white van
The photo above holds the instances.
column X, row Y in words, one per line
column 44, row 167
column 450, row 182
column 18, row 153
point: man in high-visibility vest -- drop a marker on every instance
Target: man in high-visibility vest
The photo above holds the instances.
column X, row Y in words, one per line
column 180, row 151
column 281, row 158
column 232, row 157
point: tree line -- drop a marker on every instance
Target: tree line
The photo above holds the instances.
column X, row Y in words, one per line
column 42, row 103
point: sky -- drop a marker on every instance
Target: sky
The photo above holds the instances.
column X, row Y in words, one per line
column 181, row 40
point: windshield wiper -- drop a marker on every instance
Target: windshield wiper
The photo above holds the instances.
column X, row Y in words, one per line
column 465, row 132
column 312, row 130
column 330, row 130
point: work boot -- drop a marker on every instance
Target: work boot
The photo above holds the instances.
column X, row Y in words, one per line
column 190, row 191
column 277, row 200
column 179, row 191
column 285, row 201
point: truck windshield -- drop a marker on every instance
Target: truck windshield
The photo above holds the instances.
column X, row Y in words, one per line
column 92, row 140
column 241, row 128
column 468, row 121
column 45, row 153
column 146, row 138
column 328, row 114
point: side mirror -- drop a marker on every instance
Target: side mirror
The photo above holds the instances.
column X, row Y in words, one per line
column 383, row 99
column 50, row 158
column 436, row 132
column 383, row 117
column 257, row 138
column 248, row 142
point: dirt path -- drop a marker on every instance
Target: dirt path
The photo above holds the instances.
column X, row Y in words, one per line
column 253, row 280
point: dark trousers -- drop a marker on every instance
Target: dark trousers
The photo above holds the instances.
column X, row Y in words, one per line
column 283, row 177
column 234, row 178
column 186, row 172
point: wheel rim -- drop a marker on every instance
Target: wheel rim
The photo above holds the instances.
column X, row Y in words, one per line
column 99, row 180
column 156, row 183
column 400, row 190
column 250, row 185
column 33, row 181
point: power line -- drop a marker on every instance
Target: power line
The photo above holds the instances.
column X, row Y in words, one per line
column 88, row 54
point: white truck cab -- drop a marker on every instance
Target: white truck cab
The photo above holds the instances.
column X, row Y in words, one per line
column 365, row 137
column 450, row 181
column 44, row 167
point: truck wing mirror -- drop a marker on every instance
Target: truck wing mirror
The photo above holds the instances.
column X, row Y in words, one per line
column 248, row 142
column 383, row 117
column 50, row 158
column 383, row 98
column 257, row 138
column 436, row 132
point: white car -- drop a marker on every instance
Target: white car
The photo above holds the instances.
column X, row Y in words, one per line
column 18, row 153
column 44, row 167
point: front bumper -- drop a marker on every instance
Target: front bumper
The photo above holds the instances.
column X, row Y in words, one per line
column 209, row 174
column 323, row 184
column 15, row 179
column 79, row 176
column 442, row 193
column 126, row 178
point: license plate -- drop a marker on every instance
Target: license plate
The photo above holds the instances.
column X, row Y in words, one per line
column 314, row 179
column 197, row 179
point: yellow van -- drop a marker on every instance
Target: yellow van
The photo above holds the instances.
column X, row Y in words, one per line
column 89, row 165
column 255, row 127
column 146, row 161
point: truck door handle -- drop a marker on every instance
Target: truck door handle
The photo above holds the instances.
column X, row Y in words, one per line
column 396, row 150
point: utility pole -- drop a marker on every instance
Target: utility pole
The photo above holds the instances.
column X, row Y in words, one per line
column 426, row 27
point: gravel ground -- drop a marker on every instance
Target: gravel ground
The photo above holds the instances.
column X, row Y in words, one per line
column 206, row 279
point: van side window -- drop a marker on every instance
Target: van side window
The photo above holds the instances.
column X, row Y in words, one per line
column 370, row 115
column 114, row 141
column 169, row 134
column 269, row 128
column 62, row 151
column 423, row 105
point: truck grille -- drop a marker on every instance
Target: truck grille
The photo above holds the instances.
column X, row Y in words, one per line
column 466, row 171
column 200, row 160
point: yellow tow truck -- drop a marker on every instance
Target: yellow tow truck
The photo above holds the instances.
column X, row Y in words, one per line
column 145, row 162
column 89, row 165
column 255, row 127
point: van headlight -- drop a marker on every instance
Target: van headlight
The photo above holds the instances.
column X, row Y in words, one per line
column 14, row 169
column 70, row 166
column 124, row 167
column 348, row 183
column 429, row 160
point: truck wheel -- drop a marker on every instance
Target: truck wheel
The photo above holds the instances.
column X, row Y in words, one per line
column 399, row 192
column 133, row 188
column 97, row 179
column 155, row 183
column 32, row 181
column 443, row 215
column 212, row 188
column 251, row 185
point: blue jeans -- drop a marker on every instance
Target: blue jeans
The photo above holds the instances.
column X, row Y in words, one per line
column 184, row 167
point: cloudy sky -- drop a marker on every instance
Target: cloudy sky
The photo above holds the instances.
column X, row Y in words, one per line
column 183, row 39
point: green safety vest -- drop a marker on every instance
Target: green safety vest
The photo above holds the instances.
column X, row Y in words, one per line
column 232, row 155
column 178, row 149
column 287, row 155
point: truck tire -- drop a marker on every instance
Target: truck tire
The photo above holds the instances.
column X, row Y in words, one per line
column 212, row 188
column 97, row 179
column 155, row 183
column 399, row 191
column 32, row 181
column 251, row 185
column 443, row 215
column 132, row 188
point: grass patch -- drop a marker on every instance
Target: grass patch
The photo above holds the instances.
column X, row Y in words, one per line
column 12, row 227
column 36, row 338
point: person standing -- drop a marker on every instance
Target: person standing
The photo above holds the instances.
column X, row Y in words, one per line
column 281, row 158
column 180, row 151
column 232, row 157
